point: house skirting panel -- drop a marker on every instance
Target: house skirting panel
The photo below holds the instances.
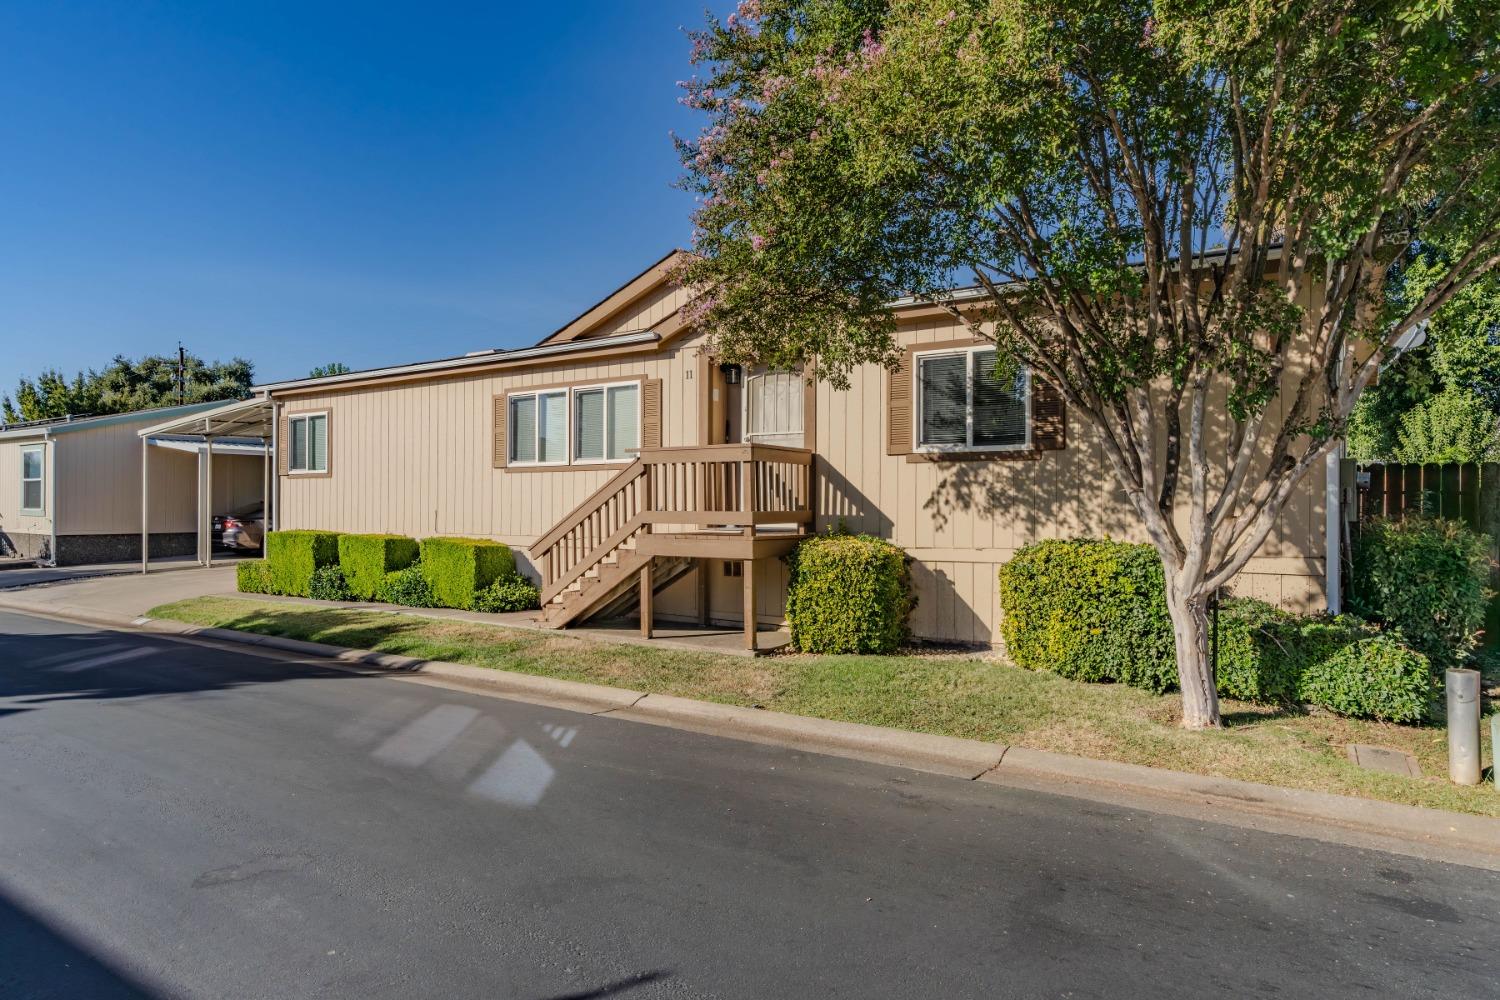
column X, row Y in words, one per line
column 74, row 550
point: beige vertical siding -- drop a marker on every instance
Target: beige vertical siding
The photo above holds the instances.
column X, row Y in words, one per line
column 961, row 520
column 12, row 521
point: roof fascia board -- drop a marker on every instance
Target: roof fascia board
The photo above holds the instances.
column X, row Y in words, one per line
column 621, row 298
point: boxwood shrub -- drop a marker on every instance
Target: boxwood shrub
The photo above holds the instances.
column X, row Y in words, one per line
column 1089, row 609
column 1426, row 577
column 848, row 594
column 252, row 576
column 457, row 569
column 294, row 555
column 1096, row 610
column 366, row 559
column 407, row 587
column 328, row 584
column 509, row 593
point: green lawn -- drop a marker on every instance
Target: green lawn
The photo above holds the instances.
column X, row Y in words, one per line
column 979, row 697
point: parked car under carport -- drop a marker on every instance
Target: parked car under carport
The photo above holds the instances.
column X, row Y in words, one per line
column 239, row 530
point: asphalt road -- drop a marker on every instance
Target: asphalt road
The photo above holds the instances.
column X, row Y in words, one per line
column 183, row 821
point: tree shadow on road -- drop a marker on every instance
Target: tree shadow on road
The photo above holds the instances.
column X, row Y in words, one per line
column 38, row 958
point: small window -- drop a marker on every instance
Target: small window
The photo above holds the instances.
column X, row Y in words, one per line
column 309, row 444
column 966, row 404
column 733, row 568
column 33, row 467
column 539, row 428
column 606, row 423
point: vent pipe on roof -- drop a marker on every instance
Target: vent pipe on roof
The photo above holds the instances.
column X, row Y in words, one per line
column 479, row 354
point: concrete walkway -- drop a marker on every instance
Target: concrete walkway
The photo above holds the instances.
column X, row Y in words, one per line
column 31, row 575
column 115, row 591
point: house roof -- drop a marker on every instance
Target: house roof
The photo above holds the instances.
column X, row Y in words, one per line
column 69, row 425
column 250, row 418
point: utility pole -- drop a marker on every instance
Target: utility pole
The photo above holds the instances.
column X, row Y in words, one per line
column 181, row 374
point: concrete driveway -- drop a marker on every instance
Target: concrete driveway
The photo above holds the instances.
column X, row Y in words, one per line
column 111, row 590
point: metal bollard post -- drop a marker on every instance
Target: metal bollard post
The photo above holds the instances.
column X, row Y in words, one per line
column 1463, row 726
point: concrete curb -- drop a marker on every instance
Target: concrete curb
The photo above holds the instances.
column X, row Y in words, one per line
column 1458, row 837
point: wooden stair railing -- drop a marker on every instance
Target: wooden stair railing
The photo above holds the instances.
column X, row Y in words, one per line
column 604, row 522
column 719, row 487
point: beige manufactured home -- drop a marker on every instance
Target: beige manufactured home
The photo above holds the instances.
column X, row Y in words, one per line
column 70, row 489
column 620, row 460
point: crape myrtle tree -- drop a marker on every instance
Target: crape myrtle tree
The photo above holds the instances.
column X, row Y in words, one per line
column 1181, row 214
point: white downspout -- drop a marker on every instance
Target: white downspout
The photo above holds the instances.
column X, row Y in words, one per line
column 1333, row 528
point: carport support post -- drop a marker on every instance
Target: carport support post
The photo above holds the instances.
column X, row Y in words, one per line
column 265, row 492
column 208, row 500
column 145, row 504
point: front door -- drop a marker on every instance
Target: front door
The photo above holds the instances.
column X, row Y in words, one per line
column 772, row 410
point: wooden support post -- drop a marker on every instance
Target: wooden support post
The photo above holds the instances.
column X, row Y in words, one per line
column 145, row 505
column 647, row 614
column 750, row 604
column 704, row 569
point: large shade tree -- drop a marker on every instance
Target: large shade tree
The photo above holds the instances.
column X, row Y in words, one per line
column 1178, row 212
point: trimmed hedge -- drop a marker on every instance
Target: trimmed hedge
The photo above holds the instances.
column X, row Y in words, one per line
column 1426, row 577
column 407, row 587
column 457, row 569
column 367, row 559
column 1096, row 611
column 252, row 576
column 1092, row 610
column 511, row 593
column 328, row 584
column 294, row 555
column 848, row 594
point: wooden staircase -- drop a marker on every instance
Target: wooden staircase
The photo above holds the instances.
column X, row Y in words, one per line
column 659, row 516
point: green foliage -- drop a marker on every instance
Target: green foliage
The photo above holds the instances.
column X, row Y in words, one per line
column 1096, row 611
column 332, row 368
column 1374, row 677
column 328, row 584
column 252, row 576
column 1454, row 426
column 1426, row 577
column 407, row 587
column 848, row 594
column 366, row 559
column 1089, row 609
column 126, row 385
column 457, row 569
column 509, row 593
column 294, row 555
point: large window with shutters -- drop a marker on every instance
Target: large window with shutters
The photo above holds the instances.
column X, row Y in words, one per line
column 964, row 402
column 574, row 425
column 308, row 445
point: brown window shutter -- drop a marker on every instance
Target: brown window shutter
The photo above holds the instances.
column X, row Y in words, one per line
column 283, row 444
column 501, row 449
column 899, row 407
column 1049, row 417
column 328, row 443
column 651, row 413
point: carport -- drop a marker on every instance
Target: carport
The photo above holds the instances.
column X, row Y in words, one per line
column 238, row 428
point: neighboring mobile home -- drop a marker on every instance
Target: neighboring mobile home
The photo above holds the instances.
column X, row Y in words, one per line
column 616, row 450
column 70, row 489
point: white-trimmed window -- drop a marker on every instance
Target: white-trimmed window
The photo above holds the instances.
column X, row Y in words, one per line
column 309, row 442
column 963, row 403
column 606, row 422
column 33, row 472
column 539, row 428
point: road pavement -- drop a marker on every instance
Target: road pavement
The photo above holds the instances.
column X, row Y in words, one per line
column 185, row 820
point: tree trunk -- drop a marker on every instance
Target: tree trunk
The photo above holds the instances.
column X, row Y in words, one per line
column 1200, row 696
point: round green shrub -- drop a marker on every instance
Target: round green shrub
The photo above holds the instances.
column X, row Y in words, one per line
column 848, row 594
column 511, row 593
column 1426, row 577
column 252, row 576
column 1374, row 677
column 328, row 584
column 407, row 587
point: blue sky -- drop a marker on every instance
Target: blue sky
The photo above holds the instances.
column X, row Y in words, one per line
column 308, row 182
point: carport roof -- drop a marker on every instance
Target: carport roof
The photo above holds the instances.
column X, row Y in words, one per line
column 239, row 418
